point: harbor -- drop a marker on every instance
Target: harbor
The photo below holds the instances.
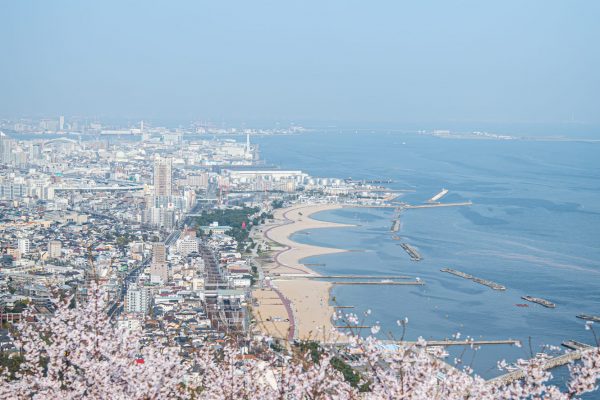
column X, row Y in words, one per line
column 485, row 282
column 411, row 251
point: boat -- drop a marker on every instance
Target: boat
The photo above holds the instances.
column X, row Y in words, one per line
column 588, row 317
column 540, row 301
column 522, row 305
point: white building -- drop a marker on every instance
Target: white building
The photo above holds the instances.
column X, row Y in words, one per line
column 24, row 245
column 137, row 300
column 187, row 244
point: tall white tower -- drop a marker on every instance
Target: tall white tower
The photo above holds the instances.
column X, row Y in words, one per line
column 163, row 177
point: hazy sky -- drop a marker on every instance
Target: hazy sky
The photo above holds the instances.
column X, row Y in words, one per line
column 353, row 61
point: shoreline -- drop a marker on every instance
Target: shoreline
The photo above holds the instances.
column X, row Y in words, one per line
column 305, row 301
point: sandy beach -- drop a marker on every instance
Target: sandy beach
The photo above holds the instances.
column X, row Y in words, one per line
column 306, row 301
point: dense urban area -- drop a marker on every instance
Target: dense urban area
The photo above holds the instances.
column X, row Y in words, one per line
column 163, row 220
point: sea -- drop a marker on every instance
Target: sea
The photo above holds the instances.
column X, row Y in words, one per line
column 534, row 227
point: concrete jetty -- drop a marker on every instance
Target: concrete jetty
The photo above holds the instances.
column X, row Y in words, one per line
column 433, row 205
column 575, row 345
column 447, row 342
column 360, row 277
column 411, row 251
column 353, row 327
column 485, row 282
column 540, row 301
column 548, row 364
column 406, row 206
column 588, row 317
column 383, row 282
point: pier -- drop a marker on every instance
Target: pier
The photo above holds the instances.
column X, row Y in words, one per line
column 406, row 206
column 485, row 282
column 411, row 251
column 465, row 203
column 411, row 283
column 575, row 345
column 548, row 364
column 353, row 327
column 360, row 277
column 447, row 342
column 588, row 317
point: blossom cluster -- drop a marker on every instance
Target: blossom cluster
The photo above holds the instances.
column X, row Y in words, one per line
column 77, row 353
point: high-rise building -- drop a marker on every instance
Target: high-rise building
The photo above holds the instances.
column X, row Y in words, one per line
column 159, row 267
column 24, row 246
column 54, row 249
column 35, row 152
column 61, row 123
column 159, row 253
column 137, row 300
column 6, row 148
column 163, row 177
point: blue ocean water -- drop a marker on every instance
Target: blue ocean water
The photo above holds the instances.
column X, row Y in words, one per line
column 534, row 227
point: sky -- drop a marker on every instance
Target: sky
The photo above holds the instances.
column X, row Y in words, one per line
column 338, row 61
